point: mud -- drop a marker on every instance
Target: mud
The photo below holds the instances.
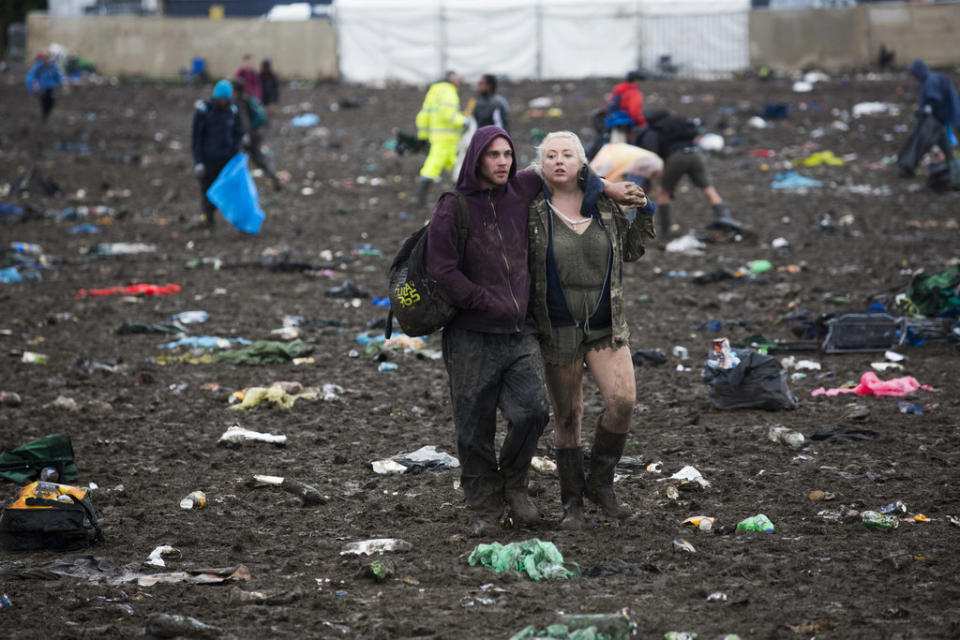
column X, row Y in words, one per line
column 147, row 434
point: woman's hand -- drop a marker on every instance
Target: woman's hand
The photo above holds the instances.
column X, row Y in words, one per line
column 626, row 194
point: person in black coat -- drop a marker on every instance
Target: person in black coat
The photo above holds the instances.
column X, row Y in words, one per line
column 217, row 135
column 269, row 85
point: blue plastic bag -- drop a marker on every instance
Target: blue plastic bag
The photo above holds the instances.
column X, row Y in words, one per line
column 235, row 194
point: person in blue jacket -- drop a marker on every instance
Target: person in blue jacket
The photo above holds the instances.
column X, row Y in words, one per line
column 217, row 136
column 938, row 97
column 42, row 78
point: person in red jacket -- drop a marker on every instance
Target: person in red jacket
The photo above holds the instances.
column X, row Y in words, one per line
column 251, row 78
column 625, row 104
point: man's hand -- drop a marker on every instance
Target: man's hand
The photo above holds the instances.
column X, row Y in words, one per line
column 199, row 169
column 626, row 194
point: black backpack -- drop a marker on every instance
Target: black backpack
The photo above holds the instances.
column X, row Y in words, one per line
column 49, row 516
column 415, row 300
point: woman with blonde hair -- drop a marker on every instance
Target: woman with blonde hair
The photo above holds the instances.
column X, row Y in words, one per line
column 578, row 242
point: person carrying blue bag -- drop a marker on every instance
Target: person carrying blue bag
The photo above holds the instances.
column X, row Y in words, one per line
column 216, row 137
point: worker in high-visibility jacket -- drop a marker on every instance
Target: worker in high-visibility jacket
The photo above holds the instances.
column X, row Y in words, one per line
column 440, row 122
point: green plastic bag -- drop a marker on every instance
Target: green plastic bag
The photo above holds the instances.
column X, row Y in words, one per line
column 935, row 294
column 590, row 626
column 23, row 464
column 265, row 352
column 539, row 560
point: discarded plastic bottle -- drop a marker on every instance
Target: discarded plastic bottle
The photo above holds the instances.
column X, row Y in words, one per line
column 909, row 408
column 32, row 357
column 166, row 625
column 49, row 474
column 26, row 248
column 5, row 601
column 875, row 520
column 388, row 366
column 758, row 522
column 194, row 499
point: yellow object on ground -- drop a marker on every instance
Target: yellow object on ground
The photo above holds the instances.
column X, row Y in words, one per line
column 821, row 158
column 275, row 395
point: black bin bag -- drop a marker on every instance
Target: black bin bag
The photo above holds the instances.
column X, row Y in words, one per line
column 758, row 382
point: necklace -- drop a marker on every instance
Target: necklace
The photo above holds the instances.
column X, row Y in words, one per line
column 573, row 222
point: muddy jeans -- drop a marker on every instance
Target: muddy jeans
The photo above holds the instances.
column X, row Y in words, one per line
column 489, row 371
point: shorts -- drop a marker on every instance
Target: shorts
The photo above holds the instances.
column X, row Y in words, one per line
column 683, row 163
column 569, row 344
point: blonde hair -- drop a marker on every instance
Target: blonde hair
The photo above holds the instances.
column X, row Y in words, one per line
column 537, row 164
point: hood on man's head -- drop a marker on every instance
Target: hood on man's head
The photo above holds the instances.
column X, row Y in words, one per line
column 918, row 69
column 468, row 181
column 223, row 89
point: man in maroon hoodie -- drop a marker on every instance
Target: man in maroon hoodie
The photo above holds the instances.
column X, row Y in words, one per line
column 490, row 348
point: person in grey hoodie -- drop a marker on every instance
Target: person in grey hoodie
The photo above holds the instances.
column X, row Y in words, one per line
column 490, row 108
column 490, row 348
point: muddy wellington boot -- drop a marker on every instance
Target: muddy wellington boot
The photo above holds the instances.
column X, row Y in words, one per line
column 663, row 216
column 423, row 190
column 518, row 499
column 487, row 504
column 722, row 220
column 606, row 452
column 572, row 486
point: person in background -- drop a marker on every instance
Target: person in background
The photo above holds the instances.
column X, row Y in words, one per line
column 673, row 138
column 490, row 108
column 938, row 97
column 42, row 78
column 269, row 85
column 440, row 122
column 625, row 105
column 251, row 78
column 578, row 242
column 253, row 116
column 216, row 136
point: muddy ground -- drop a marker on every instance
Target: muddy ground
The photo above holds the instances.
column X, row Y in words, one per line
column 147, row 434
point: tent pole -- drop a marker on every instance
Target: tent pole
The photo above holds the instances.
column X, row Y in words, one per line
column 539, row 39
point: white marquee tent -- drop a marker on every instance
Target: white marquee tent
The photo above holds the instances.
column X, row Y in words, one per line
column 417, row 40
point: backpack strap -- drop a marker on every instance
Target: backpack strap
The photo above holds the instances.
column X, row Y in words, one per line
column 463, row 224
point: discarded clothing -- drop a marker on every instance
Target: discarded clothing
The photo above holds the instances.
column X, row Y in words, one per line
column 843, row 434
column 132, row 290
column 203, row 342
column 791, row 180
column 652, row 357
column 265, row 352
column 537, row 559
column 871, row 385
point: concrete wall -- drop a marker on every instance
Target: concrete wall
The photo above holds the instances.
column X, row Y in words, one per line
column 160, row 47
column 851, row 38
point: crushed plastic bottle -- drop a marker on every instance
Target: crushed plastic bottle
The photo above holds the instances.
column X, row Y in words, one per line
column 723, row 357
column 875, row 520
column 909, row 408
column 167, row 625
column 758, row 522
